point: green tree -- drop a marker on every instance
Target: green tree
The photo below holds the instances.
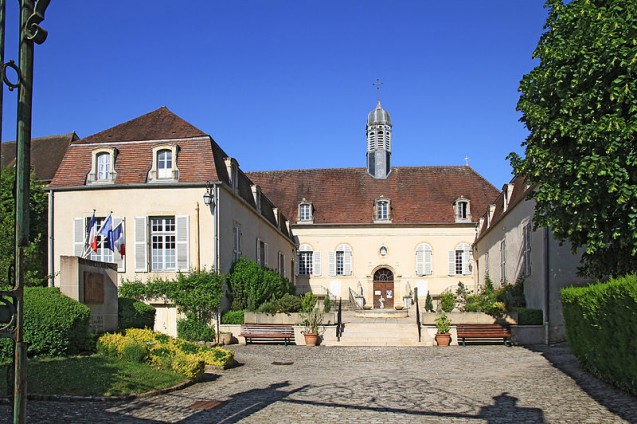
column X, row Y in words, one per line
column 35, row 253
column 580, row 107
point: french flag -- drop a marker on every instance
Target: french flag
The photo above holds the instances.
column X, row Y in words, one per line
column 107, row 232
column 92, row 233
column 119, row 239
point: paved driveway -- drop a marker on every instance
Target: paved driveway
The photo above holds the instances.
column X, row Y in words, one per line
column 297, row 384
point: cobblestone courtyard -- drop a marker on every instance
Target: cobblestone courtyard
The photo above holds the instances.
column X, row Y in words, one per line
column 296, row 384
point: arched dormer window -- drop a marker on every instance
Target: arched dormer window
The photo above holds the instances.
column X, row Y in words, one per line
column 306, row 212
column 461, row 209
column 424, row 262
column 382, row 210
column 340, row 261
column 102, row 163
column 164, row 167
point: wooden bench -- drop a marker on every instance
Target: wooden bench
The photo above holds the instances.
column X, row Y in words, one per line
column 484, row 331
column 267, row 332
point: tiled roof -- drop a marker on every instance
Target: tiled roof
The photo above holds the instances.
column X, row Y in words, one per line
column 199, row 158
column 46, row 154
column 519, row 193
column 159, row 124
column 347, row 196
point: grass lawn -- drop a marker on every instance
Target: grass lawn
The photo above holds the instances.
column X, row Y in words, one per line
column 94, row 375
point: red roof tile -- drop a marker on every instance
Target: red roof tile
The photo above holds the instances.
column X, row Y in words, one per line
column 417, row 194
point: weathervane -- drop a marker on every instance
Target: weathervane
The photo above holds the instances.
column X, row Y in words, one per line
column 377, row 84
column 466, row 160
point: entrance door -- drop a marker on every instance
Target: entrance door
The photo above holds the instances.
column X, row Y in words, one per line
column 384, row 289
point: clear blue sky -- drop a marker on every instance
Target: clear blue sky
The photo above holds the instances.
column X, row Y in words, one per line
column 287, row 84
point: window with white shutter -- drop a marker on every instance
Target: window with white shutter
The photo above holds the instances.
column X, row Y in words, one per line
column 316, row 263
column 423, row 259
column 79, row 236
column 141, row 247
column 183, row 239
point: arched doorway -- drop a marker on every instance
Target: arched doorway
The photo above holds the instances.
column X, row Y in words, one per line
column 384, row 288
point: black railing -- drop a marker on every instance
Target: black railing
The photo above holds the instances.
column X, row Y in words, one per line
column 418, row 314
column 339, row 320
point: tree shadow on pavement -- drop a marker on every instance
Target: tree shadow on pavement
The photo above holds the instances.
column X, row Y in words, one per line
column 615, row 400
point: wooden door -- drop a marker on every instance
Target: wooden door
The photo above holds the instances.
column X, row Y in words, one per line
column 383, row 289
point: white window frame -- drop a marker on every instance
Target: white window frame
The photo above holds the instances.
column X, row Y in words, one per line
column 305, row 212
column 340, row 261
column 460, row 260
column 305, row 260
column 97, row 175
column 382, row 210
column 424, row 259
column 503, row 261
column 526, row 233
column 462, row 209
column 159, row 172
column 163, row 243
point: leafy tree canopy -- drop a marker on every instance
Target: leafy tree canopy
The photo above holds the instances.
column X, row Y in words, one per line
column 580, row 107
column 35, row 253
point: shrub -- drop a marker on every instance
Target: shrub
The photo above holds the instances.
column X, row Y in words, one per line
column 132, row 313
column 429, row 303
column 269, row 307
column 233, row 317
column 54, row 324
column 308, row 302
column 529, row 316
column 600, row 326
column 327, row 303
column 512, row 295
column 447, row 301
column 251, row 285
column 163, row 351
column 189, row 365
column 289, row 303
column 195, row 330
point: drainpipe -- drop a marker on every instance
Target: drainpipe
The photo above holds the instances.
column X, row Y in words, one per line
column 216, row 227
column 547, row 285
column 197, row 234
column 51, row 276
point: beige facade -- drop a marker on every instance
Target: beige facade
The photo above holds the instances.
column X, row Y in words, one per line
column 507, row 249
column 390, row 247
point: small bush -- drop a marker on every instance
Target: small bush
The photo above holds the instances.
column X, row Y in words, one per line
column 529, row 316
column 132, row 313
column 327, row 304
column 54, row 325
column 429, row 303
column 163, row 351
column 308, row 302
column 289, row 303
column 233, row 317
column 195, row 330
column 268, row 307
column 447, row 301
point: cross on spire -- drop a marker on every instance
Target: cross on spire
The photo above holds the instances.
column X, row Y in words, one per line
column 466, row 160
column 377, row 84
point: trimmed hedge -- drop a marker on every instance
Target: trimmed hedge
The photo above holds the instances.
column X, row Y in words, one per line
column 54, row 325
column 529, row 316
column 601, row 323
column 233, row 317
column 132, row 313
column 195, row 331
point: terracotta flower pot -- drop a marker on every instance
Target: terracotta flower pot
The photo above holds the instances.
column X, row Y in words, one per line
column 443, row 339
column 311, row 339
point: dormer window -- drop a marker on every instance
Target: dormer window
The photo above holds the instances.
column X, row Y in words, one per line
column 164, row 164
column 305, row 212
column 102, row 171
column 382, row 210
column 462, row 211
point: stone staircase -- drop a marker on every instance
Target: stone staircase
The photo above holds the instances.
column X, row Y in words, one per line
column 376, row 331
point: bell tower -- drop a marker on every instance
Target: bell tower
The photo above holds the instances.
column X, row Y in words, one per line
column 378, row 131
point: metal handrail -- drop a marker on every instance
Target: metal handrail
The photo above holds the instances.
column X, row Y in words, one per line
column 418, row 315
column 352, row 299
column 339, row 320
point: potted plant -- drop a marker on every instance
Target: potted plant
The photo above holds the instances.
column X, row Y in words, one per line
column 311, row 320
column 443, row 326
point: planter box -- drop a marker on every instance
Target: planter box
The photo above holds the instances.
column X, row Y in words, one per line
column 527, row 334
column 469, row 318
column 292, row 318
